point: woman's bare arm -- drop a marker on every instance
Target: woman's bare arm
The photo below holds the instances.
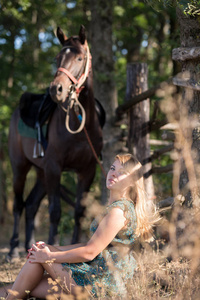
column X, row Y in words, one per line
column 111, row 224
column 70, row 247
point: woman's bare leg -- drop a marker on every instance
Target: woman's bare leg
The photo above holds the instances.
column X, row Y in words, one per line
column 59, row 274
column 64, row 282
column 27, row 279
column 45, row 287
column 31, row 279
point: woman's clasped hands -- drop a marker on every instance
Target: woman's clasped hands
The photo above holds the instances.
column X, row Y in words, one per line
column 39, row 253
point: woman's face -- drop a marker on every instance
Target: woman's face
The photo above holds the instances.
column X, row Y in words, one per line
column 117, row 177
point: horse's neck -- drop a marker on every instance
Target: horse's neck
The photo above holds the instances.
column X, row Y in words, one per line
column 86, row 99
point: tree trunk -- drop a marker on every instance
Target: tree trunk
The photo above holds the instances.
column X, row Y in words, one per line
column 190, row 105
column 103, row 70
column 2, row 186
column 139, row 116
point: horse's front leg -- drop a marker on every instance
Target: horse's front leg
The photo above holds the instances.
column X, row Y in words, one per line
column 84, row 182
column 53, row 191
column 18, row 207
column 19, row 177
column 32, row 205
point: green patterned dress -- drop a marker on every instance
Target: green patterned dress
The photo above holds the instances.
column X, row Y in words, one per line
column 108, row 273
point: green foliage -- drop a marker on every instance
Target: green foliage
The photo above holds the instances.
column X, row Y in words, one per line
column 190, row 8
column 28, row 46
column 66, row 225
column 193, row 8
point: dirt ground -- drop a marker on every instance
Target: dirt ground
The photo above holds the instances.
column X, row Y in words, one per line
column 9, row 270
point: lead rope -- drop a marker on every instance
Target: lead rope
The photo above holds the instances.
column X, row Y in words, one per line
column 74, row 97
column 83, row 118
column 94, row 152
column 87, row 68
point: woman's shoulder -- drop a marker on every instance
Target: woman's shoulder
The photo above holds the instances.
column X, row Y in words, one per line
column 128, row 208
column 123, row 203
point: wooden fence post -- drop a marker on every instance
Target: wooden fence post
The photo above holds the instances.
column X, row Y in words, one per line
column 139, row 116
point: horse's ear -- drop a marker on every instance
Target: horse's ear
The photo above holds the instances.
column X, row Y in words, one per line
column 61, row 36
column 82, row 35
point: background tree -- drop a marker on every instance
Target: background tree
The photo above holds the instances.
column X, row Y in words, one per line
column 189, row 110
column 104, row 82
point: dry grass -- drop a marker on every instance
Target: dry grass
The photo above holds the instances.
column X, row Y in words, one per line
column 155, row 277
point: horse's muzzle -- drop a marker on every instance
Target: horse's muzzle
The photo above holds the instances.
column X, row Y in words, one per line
column 57, row 92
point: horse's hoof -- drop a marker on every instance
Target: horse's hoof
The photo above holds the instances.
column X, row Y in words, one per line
column 12, row 256
column 8, row 258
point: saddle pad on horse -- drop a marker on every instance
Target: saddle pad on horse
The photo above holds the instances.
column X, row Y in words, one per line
column 30, row 132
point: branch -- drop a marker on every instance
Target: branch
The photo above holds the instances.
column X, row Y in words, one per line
column 168, row 136
column 169, row 202
column 160, row 170
column 158, row 153
column 136, row 99
column 159, row 143
column 186, row 53
column 190, row 84
column 157, row 124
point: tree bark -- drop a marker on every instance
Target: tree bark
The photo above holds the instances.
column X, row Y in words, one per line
column 2, row 185
column 103, row 71
column 190, row 105
column 138, row 141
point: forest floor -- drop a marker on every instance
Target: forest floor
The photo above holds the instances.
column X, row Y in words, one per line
column 155, row 277
column 9, row 270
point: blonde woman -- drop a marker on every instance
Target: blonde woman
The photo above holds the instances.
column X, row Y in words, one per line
column 105, row 263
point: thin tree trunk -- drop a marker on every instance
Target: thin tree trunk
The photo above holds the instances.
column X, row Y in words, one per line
column 139, row 116
column 2, row 186
column 104, row 84
column 190, row 107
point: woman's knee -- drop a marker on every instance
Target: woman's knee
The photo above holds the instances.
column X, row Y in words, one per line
column 61, row 276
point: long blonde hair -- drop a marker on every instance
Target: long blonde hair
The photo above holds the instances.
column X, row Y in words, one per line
column 145, row 209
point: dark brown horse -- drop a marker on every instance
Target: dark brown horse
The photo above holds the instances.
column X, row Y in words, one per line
column 67, row 149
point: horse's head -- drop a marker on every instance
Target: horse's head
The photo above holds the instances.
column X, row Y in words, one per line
column 73, row 65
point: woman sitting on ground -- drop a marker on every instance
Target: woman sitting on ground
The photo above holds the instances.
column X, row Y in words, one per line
column 105, row 262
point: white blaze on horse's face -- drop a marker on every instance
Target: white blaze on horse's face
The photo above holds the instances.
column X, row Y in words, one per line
column 67, row 50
